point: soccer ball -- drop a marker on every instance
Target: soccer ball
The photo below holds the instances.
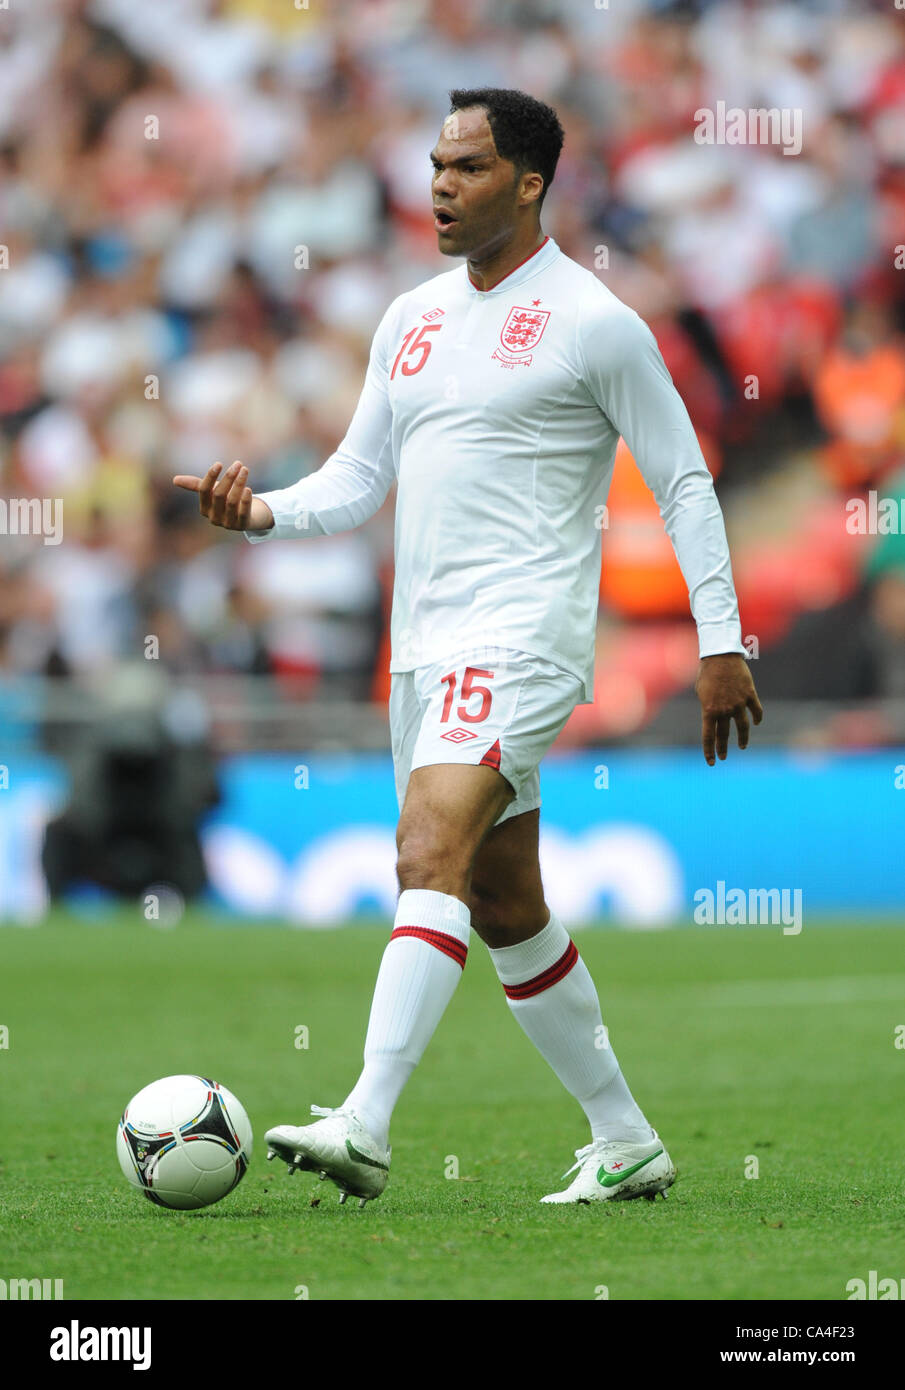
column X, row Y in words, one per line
column 184, row 1142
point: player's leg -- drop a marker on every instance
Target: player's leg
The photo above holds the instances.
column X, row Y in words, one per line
column 447, row 811
column 552, row 996
column 547, row 984
column 507, row 894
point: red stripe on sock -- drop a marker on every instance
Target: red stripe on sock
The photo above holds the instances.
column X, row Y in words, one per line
column 549, row 977
column 450, row 945
column 492, row 757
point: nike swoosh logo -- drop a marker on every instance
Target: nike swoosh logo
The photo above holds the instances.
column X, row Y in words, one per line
column 359, row 1157
column 612, row 1179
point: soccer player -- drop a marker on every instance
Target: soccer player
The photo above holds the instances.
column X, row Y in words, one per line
column 495, row 397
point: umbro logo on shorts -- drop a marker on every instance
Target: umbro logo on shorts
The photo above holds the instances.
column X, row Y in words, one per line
column 458, row 735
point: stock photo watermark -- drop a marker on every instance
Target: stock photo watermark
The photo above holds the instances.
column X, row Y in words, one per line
column 77, row 1343
column 875, row 515
column 32, row 516
column 738, row 907
column 875, row 1287
column 25, row 1290
column 731, row 125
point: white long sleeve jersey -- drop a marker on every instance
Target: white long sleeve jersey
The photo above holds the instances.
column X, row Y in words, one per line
column 497, row 412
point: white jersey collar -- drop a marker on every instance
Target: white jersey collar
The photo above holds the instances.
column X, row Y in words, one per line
column 529, row 267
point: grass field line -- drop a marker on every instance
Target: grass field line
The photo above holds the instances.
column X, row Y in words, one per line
column 828, row 989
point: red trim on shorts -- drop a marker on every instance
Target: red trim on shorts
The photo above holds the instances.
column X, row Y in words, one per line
column 547, row 978
column 492, row 757
column 450, row 945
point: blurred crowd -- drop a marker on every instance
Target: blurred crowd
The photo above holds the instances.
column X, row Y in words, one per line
column 208, row 204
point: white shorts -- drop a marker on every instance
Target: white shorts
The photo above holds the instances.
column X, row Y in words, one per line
column 493, row 706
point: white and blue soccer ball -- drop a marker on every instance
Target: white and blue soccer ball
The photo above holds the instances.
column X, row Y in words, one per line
column 184, row 1142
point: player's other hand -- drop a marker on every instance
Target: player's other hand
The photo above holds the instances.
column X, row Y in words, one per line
column 726, row 692
column 227, row 501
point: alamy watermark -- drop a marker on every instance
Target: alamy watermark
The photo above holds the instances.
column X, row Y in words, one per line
column 26, row 1289
column 738, row 907
column 875, row 515
column 32, row 516
column 874, row 1287
column 759, row 125
column 78, row 1343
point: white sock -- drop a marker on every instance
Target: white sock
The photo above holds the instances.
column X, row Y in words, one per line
column 552, row 995
column 421, row 966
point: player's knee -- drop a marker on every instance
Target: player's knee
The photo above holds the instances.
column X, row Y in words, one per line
column 425, row 860
column 487, row 909
column 502, row 916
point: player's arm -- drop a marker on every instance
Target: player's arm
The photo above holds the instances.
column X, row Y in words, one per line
column 630, row 382
column 350, row 487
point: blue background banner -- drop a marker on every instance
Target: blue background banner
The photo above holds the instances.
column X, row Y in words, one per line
column 628, row 837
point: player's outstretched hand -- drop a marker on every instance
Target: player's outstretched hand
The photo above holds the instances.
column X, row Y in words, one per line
column 227, row 501
column 726, row 692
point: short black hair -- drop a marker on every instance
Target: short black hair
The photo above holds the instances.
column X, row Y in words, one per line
column 525, row 130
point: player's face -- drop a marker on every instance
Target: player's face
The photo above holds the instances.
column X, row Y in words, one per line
column 475, row 192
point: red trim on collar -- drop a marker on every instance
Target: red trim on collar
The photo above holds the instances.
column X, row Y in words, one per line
column 508, row 272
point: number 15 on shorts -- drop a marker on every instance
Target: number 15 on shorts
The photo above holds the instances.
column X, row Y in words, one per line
column 470, row 690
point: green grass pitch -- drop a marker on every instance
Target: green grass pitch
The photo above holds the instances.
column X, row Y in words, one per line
column 738, row 1043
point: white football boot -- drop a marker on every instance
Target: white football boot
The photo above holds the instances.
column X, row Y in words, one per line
column 338, row 1147
column 612, row 1170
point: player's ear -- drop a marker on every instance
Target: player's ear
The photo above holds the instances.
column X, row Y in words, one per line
column 531, row 189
